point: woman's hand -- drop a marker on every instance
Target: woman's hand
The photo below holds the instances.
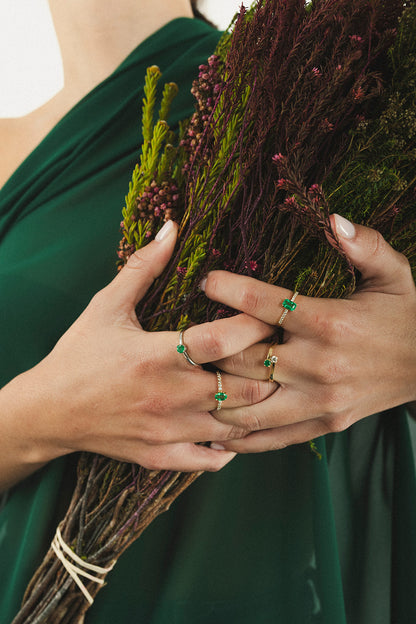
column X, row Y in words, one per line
column 110, row 387
column 341, row 360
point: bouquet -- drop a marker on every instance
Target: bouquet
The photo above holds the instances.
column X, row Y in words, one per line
column 301, row 111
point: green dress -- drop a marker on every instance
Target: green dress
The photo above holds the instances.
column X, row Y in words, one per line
column 279, row 537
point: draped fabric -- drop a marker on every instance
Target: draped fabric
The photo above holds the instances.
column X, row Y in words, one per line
column 276, row 538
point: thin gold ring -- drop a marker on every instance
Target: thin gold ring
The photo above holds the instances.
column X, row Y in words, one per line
column 220, row 395
column 289, row 305
column 270, row 362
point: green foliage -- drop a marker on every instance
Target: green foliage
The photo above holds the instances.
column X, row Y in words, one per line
column 157, row 163
column 375, row 184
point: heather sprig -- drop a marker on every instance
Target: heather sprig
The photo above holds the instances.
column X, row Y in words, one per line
column 375, row 182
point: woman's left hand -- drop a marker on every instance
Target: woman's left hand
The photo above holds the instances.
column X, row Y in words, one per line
column 341, row 360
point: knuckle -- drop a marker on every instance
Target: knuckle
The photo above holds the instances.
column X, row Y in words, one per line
column 377, row 245
column 236, row 432
column 336, row 424
column 214, row 342
column 236, row 363
column 330, row 370
column 154, row 436
column 403, row 267
column 249, row 421
column 331, row 328
column 138, row 260
column 277, row 444
column 253, row 391
column 250, row 300
column 332, row 403
column 153, row 460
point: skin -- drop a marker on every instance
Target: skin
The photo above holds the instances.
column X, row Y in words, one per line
column 93, row 39
column 94, row 368
column 341, row 360
column 85, row 394
column 111, row 388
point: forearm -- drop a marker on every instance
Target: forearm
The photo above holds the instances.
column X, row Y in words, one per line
column 23, row 425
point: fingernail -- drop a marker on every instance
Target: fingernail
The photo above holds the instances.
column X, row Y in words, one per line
column 202, row 283
column 217, row 447
column 343, row 227
column 165, row 231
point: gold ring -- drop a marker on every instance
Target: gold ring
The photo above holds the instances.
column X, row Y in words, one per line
column 220, row 395
column 288, row 305
column 270, row 362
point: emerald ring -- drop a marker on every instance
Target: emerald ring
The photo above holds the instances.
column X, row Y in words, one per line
column 220, row 395
column 270, row 362
column 182, row 348
column 288, row 305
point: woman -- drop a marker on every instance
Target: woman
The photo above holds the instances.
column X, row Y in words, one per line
column 256, row 542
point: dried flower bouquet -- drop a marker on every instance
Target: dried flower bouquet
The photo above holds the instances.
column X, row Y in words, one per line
column 301, row 111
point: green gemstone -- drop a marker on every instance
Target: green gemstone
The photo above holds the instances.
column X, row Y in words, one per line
column 289, row 305
column 220, row 396
column 267, row 363
column 180, row 348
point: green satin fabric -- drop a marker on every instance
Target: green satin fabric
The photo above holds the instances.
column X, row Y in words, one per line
column 274, row 538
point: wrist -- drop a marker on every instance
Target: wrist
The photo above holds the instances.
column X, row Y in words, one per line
column 26, row 427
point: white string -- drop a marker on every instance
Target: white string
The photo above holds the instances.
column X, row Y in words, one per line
column 61, row 549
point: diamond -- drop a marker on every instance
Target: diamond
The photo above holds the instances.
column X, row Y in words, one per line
column 273, row 359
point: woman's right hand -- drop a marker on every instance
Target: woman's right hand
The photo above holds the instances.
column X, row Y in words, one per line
column 112, row 388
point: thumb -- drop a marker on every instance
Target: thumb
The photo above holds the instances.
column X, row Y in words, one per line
column 382, row 268
column 142, row 268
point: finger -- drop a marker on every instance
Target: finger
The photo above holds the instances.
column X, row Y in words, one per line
column 185, row 458
column 296, row 362
column 142, row 268
column 191, row 426
column 289, row 405
column 199, row 390
column 382, row 268
column 256, row 362
column 264, row 301
column 219, row 339
column 275, row 439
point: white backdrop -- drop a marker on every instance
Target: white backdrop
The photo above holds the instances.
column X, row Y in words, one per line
column 30, row 68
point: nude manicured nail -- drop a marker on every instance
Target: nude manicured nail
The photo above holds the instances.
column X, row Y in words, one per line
column 217, row 447
column 202, row 284
column 165, row 231
column 344, row 228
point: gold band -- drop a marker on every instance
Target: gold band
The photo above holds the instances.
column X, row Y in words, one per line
column 270, row 362
column 288, row 305
column 220, row 395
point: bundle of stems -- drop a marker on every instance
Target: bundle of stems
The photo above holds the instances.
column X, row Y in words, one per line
column 300, row 111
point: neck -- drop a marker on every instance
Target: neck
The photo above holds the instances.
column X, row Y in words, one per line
column 95, row 36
